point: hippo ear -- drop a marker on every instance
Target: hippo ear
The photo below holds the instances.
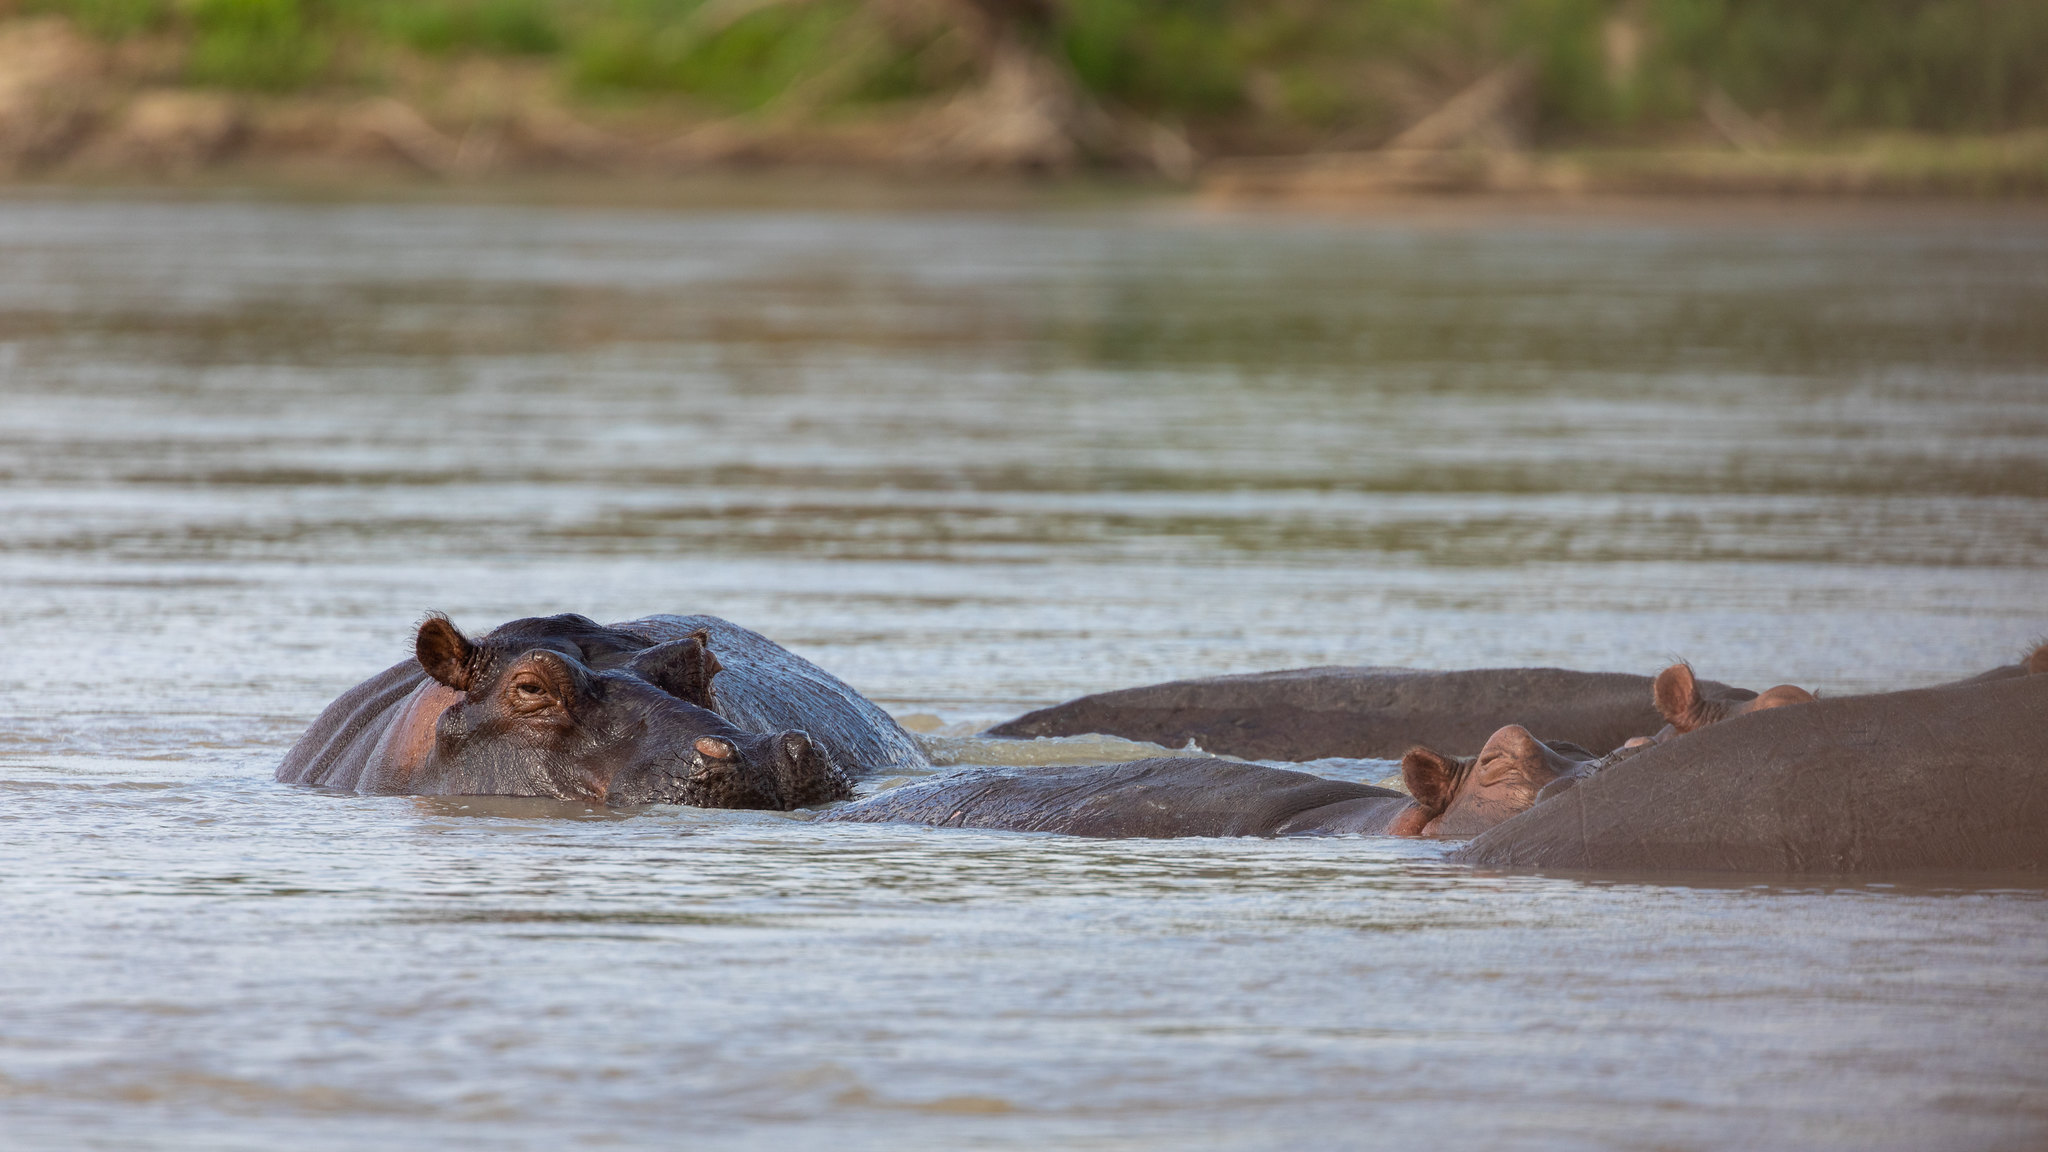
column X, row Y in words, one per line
column 444, row 652
column 711, row 665
column 1678, row 697
column 682, row 668
column 1431, row 776
column 2037, row 663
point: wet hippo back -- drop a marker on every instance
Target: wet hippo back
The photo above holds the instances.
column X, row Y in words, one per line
column 765, row 687
column 1937, row 778
column 1154, row 799
column 1309, row 713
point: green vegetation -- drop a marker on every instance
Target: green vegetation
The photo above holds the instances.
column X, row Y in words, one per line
column 264, row 45
column 817, row 53
column 1300, row 72
column 508, row 27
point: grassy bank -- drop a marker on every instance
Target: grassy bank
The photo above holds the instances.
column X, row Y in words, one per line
column 472, row 86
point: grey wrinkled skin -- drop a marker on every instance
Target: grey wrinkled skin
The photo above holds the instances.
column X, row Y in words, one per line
column 1153, row 799
column 1310, row 713
column 1935, row 779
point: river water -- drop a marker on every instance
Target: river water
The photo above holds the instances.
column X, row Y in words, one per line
column 976, row 463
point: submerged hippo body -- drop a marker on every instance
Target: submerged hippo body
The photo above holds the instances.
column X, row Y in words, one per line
column 1954, row 777
column 1150, row 799
column 1202, row 796
column 562, row 706
column 1310, row 713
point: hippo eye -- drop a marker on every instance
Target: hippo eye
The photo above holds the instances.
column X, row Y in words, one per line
column 529, row 688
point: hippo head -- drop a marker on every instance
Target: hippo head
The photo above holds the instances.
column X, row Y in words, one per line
column 534, row 718
column 1681, row 702
column 1464, row 796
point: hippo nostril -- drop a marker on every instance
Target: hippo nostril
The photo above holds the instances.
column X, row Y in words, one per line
column 805, row 774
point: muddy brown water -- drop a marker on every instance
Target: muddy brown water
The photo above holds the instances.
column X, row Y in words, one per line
column 976, row 463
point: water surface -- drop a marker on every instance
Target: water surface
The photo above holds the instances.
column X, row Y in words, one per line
column 974, row 464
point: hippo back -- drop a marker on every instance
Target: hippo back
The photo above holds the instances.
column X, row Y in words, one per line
column 1932, row 779
column 1153, row 799
column 1310, row 713
column 765, row 687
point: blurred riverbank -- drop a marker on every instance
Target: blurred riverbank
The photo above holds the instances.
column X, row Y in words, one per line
column 286, row 94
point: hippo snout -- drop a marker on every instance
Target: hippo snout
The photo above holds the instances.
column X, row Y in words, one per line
column 804, row 774
column 778, row 772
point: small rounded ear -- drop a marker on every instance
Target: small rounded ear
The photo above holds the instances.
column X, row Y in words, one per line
column 1678, row 696
column 444, row 652
column 682, row 668
column 703, row 636
column 1431, row 776
column 2037, row 663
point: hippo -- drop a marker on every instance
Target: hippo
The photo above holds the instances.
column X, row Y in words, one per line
column 1362, row 712
column 1689, row 704
column 1947, row 778
column 1178, row 796
column 564, row 707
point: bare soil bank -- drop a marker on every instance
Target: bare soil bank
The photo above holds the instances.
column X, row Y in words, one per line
column 78, row 111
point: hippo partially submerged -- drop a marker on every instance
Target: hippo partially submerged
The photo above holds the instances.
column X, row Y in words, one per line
column 1202, row 796
column 564, row 707
column 1311, row 713
column 1954, row 777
